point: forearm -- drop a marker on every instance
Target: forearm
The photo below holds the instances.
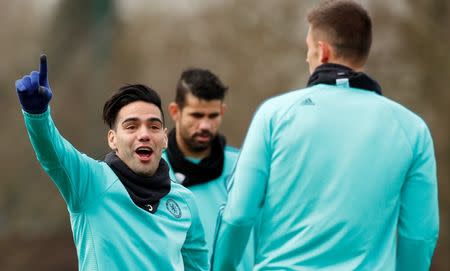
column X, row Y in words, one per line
column 418, row 226
column 69, row 169
column 246, row 196
column 231, row 241
column 47, row 143
column 194, row 250
column 233, row 231
column 414, row 254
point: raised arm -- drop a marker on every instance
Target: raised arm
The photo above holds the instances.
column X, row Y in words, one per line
column 70, row 170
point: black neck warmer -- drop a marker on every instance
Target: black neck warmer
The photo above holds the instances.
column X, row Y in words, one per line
column 328, row 73
column 208, row 169
column 146, row 192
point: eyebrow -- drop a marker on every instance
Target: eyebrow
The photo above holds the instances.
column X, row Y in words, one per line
column 137, row 119
column 204, row 114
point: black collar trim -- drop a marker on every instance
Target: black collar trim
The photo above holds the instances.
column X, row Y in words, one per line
column 145, row 191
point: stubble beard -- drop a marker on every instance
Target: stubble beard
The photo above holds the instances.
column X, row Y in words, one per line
column 197, row 147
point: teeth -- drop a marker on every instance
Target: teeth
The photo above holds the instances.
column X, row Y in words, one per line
column 145, row 149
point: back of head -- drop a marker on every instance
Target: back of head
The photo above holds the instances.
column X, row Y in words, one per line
column 126, row 95
column 201, row 83
column 346, row 25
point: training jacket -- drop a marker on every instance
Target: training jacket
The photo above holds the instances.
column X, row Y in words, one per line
column 344, row 178
column 210, row 197
column 109, row 230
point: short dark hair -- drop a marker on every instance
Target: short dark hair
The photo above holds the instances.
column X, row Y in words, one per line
column 346, row 25
column 126, row 95
column 201, row 83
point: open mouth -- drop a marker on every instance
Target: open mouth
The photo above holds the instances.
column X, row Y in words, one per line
column 144, row 153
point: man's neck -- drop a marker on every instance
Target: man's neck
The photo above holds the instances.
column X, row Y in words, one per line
column 349, row 64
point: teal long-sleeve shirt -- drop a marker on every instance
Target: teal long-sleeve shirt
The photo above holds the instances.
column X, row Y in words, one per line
column 109, row 230
column 343, row 178
column 210, row 197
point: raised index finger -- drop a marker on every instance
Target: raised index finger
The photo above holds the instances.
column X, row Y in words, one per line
column 43, row 70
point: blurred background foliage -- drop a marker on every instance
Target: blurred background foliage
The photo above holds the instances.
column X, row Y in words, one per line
column 256, row 46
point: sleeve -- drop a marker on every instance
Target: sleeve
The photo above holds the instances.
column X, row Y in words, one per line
column 246, row 195
column 69, row 169
column 194, row 250
column 418, row 225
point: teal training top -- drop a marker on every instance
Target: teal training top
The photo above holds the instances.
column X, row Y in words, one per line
column 210, row 197
column 109, row 230
column 345, row 179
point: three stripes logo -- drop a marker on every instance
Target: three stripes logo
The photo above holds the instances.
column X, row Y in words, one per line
column 307, row 101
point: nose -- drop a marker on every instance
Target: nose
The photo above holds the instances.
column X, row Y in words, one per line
column 143, row 134
column 205, row 124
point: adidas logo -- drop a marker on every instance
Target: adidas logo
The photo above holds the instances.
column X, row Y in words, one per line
column 307, row 101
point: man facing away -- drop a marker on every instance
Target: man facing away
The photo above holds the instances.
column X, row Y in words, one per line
column 197, row 154
column 344, row 178
column 125, row 212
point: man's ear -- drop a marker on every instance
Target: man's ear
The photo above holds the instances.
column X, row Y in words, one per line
column 223, row 108
column 112, row 140
column 324, row 51
column 166, row 140
column 174, row 111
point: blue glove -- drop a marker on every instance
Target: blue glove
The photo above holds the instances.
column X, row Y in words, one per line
column 34, row 91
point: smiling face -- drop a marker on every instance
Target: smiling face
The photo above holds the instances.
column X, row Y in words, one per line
column 197, row 124
column 139, row 137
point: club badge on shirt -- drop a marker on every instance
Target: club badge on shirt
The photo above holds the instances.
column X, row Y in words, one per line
column 173, row 208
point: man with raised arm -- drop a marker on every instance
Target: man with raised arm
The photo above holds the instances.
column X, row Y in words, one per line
column 125, row 213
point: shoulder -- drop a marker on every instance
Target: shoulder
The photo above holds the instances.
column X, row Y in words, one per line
column 231, row 151
column 181, row 192
column 404, row 112
column 413, row 128
column 411, row 122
